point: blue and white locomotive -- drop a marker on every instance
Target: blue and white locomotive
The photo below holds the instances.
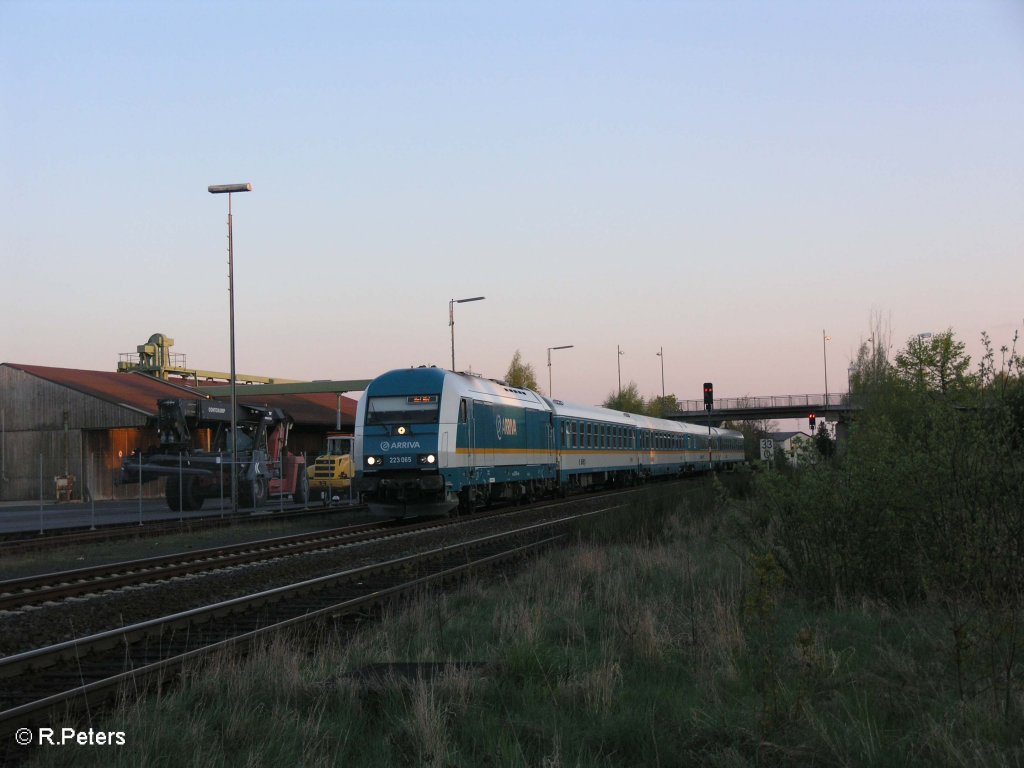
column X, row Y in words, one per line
column 431, row 441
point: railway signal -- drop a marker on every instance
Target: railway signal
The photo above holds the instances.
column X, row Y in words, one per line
column 810, row 421
column 709, row 395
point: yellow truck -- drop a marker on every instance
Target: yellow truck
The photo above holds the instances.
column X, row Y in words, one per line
column 330, row 476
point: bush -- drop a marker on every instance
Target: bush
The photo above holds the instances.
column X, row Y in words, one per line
column 924, row 504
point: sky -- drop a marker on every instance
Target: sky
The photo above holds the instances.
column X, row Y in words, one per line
column 725, row 181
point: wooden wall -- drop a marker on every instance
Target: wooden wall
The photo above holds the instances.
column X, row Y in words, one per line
column 47, row 429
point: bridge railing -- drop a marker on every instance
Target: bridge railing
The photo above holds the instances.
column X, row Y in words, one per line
column 833, row 400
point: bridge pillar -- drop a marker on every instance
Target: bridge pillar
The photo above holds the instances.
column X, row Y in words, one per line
column 842, row 432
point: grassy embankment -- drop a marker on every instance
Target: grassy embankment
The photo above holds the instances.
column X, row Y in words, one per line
column 657, row 640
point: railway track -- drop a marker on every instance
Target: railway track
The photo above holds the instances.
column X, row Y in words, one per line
column 33, row 590
column 39, row 683
column 25, row 591
column 21, row 542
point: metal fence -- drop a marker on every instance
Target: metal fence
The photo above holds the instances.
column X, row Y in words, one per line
column 833, row 400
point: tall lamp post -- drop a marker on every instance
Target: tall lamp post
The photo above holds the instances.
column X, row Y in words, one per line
column 228, row 189
column 824, row 355
column 661, row 353
column 567, row 346
column 451, row 319
column 618, row 361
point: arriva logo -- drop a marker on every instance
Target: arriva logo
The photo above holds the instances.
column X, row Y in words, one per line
column 399, row 444
column 505, row 425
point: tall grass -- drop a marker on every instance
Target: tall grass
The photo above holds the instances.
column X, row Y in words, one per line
column 656, row 640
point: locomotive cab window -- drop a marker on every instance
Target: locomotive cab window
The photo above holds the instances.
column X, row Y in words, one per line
column 403, row 409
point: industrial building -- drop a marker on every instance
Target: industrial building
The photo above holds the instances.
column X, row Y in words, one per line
column 65, row 432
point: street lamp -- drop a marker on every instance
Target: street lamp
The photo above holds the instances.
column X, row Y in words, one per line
column 451, row 319
column 661, row 353
column 228, row 189
column 567, row 346
column 824, row 354
column 618, row 361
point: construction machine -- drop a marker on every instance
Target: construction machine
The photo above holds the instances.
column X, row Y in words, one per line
column 263, row 465
column 330, row 476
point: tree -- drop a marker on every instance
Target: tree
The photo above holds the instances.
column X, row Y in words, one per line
column 627, row 400
column 823, row 441
column 662, row 407
column 520, row 374
column 935, row 363
column 754, row 430
column 871, row 370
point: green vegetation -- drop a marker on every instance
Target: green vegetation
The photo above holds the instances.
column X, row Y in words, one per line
column 629, row 400
column 922, row 508
column 520, row 374
column 861, row 609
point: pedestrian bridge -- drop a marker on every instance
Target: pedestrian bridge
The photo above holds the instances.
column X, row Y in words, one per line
column 831, row 407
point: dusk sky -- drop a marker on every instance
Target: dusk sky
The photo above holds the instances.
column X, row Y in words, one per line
column 724, row 180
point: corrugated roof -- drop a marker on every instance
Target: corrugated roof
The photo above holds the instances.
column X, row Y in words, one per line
column 141, row 393
column 318, row 409
column 134, row 390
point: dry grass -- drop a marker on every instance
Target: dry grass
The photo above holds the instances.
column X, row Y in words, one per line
column 614, row 653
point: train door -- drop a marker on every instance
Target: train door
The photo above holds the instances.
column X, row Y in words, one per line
column 467, row 433
column 552, row 440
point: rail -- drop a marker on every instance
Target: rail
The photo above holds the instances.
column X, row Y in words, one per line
column 106, row 660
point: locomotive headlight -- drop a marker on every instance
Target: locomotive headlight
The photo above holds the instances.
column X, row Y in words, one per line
column 427, row 458
column 374, row 461
column 402, row 430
